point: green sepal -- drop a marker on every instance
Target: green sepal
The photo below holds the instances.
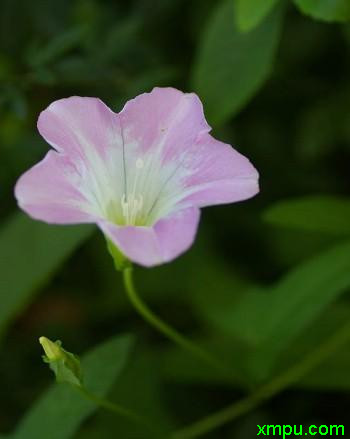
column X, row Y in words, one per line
column 119, row 259
column 64, row 374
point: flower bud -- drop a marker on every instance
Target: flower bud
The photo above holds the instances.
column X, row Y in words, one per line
column 53, row 350
column 65, row 365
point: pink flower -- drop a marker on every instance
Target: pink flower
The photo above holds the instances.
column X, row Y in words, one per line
column 141, row 175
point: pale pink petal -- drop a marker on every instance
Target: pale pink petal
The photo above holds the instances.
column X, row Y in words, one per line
column 81, row 127
column 164, row 121
column 149, row 246
column 48, row 192
column 176, row 233
column 217, row 174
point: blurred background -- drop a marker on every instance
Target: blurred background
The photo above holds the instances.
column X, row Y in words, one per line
column 267, row 280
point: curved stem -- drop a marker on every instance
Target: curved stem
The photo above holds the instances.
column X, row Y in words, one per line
column 268, row 390
column 167, row 330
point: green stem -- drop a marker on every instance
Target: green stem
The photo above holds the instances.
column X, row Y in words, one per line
column 112, row 407
column 268, row 390
column 167, row 330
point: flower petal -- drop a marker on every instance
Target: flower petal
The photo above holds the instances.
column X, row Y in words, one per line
column 217, row 174
column 48, row 192
column 149, row 246
column 176, row 233
column 82, row 127
column 165, row 120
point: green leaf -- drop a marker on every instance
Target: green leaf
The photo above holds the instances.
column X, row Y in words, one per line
column 275, row 317
column 230, row 66
column 252, row 332
column 268, row 320
column 30, row 252
column 327, row 214
column 61, row 410
column 249, row 13
column 327, row 10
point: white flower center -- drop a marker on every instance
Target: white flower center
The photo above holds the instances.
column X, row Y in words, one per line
column 136, row 192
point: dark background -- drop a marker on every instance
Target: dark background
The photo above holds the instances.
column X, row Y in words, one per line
column 266, row 281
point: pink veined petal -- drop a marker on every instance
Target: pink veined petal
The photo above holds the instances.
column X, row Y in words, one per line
column 81, row 127
column 164, row 121
column 48, row 192
column 149, row 246
column 218, row 174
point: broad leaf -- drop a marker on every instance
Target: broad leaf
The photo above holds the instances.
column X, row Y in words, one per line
column 327, row 10
column 61, row 410
column 30, row 252
column 327, row 214
column 249, row 13
column 231, row 66
column 271, row 318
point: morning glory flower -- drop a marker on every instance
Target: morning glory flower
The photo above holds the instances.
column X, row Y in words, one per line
column 141, row 175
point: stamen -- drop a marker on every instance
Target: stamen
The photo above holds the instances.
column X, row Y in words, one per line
column 132, row 204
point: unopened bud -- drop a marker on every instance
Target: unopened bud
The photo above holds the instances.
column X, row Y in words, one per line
column 65, row 365
column 53, row 350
